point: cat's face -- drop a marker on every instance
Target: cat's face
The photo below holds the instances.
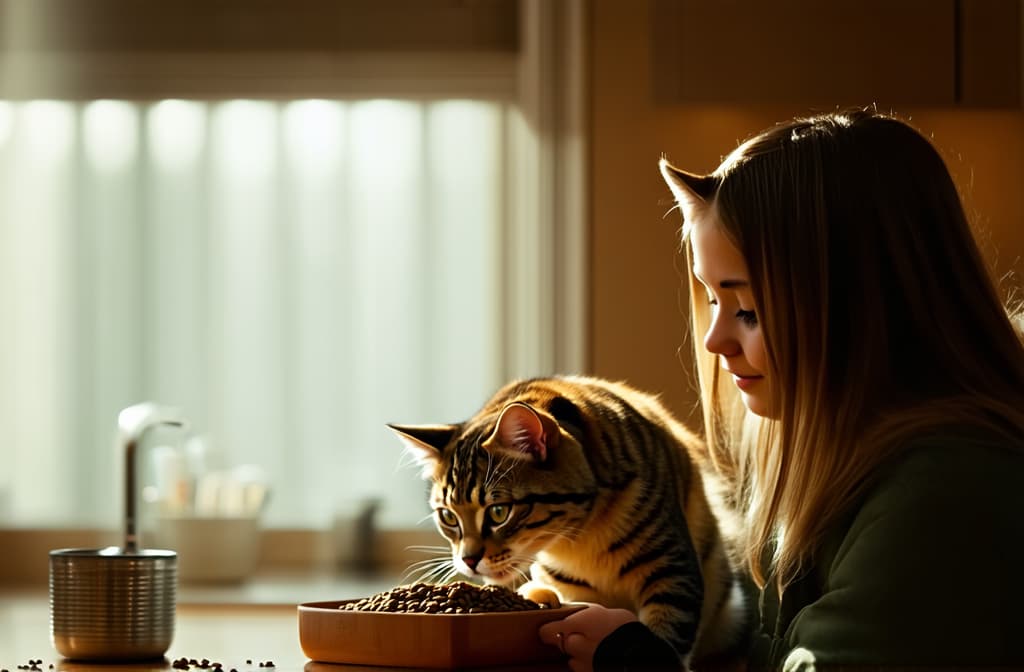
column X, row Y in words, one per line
column 504, row 488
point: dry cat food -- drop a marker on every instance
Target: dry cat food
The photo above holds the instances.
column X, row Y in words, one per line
column 205, row 664
column 459, row 597
column 33, row 664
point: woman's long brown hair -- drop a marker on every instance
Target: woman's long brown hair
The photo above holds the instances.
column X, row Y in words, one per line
column 880, row 318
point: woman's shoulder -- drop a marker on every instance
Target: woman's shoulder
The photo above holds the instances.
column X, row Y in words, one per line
column 927, row 559
column 944, row 483
column 973, row 457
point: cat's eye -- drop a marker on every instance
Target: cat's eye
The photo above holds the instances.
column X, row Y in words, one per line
column 498, row 513
column 447, row 517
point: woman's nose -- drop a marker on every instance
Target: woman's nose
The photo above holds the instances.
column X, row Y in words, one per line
column 719, row 340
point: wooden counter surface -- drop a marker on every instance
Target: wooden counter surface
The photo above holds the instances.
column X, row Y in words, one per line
column 230, row 634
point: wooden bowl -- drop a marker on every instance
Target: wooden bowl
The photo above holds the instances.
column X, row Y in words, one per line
column 328, row 634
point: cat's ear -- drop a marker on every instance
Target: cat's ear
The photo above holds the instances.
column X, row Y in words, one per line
column 691, row 191
column 425, row 443
column 521, row 433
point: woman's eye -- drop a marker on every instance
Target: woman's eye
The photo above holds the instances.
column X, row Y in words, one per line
column 498, row 513
column 447, row 517
column 747, row 317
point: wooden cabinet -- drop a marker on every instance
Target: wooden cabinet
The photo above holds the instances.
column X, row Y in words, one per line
column 989, row 68
column 822, row 53
column 142, row 49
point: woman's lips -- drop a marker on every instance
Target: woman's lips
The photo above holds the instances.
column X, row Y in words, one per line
column 745, row 382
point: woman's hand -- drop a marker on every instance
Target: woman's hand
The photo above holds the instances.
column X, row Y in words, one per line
column 579, row 634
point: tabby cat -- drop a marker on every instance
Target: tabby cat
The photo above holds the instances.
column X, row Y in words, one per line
column 595, row 488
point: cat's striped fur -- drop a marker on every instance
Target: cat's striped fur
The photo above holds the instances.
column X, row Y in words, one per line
column 595, row 487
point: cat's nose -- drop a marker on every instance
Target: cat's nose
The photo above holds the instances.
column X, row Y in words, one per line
column 472, row 560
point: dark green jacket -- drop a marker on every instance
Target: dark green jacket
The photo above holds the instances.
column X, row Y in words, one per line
column 926, row 572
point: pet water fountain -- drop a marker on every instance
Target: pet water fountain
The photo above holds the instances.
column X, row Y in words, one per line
column 117, row 603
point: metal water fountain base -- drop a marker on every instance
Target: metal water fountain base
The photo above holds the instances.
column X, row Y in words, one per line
column 117, row 603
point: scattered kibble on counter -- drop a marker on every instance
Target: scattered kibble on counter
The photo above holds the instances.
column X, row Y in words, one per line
column 35, row 665
column 206, row 664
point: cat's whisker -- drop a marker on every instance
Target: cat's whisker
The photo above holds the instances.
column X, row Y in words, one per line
column 426, row 569
column 501, row 470
column 564, row 532
column 493, row 477
column 524, row 574
column 429, row 549
column 508, row 470
column 547, row 537
column 565, row 535
column 425, row 561
column 438, row 558
column 522, row 560
column 430, row 561
column 440, row 575
column 489, row 473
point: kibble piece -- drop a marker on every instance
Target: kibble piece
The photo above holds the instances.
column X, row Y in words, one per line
column 459, row 597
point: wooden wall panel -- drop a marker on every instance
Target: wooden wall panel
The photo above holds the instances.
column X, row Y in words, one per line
column 259, row 25
column 989, row 67
column 828, row 54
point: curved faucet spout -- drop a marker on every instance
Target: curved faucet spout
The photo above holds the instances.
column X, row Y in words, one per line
column 133, row 423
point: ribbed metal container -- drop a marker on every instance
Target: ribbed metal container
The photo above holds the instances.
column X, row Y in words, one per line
column 110, row 605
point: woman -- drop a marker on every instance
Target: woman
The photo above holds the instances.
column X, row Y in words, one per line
column 863, row 393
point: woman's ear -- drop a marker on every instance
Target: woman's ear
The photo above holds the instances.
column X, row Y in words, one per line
column 691, row 191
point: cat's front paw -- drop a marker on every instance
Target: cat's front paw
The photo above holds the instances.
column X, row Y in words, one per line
column 541, row 594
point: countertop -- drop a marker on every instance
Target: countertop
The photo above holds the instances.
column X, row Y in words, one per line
column 228, row 623
column 239, row 626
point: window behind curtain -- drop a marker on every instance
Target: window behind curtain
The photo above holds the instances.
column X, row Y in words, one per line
column 291, row 274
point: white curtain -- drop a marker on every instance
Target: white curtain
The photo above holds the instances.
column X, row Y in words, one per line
column 292, row 275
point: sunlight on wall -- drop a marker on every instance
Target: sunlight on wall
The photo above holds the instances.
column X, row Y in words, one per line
column 176, row 133
column 313, row 136
column 6, row 122
column 35, row 200
column 110, row 135
column 292, row 274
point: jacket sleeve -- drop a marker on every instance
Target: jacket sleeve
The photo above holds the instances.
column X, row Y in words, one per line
column 634, row 648
column 925, row 575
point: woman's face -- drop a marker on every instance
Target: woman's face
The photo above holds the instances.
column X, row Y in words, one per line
column 735, row 332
